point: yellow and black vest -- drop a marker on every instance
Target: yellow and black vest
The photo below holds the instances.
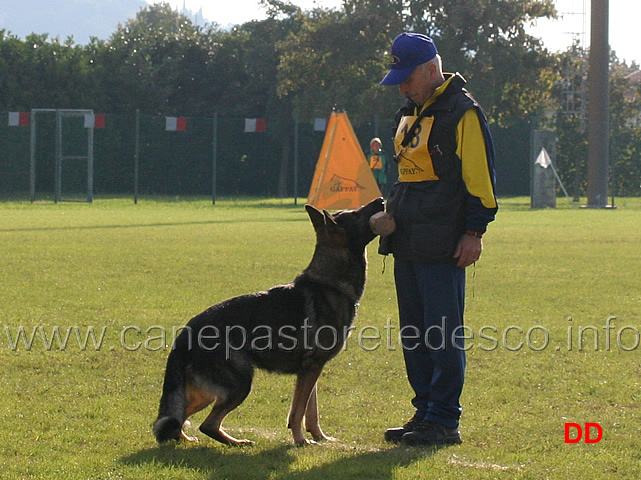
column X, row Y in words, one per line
column 428, row 200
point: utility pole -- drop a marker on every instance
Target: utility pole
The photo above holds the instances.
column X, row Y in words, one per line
column 599, row 105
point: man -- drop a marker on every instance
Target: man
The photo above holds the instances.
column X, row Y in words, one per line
column 440, row 208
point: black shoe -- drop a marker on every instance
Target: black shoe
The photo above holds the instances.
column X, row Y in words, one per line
column 395, row 434
column 430, row 433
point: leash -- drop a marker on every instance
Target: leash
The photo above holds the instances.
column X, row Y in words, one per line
column 473, row 279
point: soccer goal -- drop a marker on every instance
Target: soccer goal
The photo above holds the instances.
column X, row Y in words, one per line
column 73, row 150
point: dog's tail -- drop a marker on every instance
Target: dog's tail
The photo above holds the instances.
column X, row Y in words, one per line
column 171, row 413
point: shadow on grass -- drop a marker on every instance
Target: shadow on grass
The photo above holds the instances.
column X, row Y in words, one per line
column 217, row 462
column 378, row 464
column 222, row 462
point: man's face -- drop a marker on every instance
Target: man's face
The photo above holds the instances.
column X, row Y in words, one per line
column 420, row 85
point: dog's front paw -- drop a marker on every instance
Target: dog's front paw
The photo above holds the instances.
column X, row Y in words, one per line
column 304, row 442
column 325, row 438
column 184, row 436
column 241, row 443
column 319, row 436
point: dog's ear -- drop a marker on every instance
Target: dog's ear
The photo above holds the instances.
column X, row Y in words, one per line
column 315, row 216
column 329, row 218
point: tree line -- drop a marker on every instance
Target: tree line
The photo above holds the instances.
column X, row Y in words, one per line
column 301, row 64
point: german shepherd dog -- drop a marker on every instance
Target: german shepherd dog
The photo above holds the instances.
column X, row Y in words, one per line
column 294, row 328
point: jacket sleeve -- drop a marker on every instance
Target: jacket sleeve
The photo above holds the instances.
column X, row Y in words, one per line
column 476, row 151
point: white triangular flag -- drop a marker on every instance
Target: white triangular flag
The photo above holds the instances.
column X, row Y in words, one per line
column 543, row 159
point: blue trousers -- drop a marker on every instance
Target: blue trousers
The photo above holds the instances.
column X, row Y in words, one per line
column 431, row 300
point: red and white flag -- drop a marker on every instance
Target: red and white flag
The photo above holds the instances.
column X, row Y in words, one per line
column 175, row 124
column 18, row 119
column 96, row 120
column 255, row 125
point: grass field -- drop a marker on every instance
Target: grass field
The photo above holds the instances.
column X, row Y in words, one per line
column 553, row 310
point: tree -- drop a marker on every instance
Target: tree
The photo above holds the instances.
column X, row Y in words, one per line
column 625, row 129
column 335, row 59
column 570, row 117
column 571, row 120
column 338, row 57
column 162, row 63
column 250, row 57
column 487, row 42
column 43, row 73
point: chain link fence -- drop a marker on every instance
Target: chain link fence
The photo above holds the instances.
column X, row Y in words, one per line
column 134, row 154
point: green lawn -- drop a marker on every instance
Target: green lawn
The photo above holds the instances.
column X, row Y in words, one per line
column 540, row 301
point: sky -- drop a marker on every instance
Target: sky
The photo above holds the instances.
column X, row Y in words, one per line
column 557, row 35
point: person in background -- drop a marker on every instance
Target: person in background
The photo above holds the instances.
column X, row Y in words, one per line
column 377, row 160
column 435, row 218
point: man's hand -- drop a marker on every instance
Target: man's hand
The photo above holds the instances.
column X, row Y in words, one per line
column 468, row 250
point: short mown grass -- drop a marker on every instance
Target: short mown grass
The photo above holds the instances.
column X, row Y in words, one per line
column 553, row 310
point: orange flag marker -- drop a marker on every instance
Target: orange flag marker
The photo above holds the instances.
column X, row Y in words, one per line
column 342, row 179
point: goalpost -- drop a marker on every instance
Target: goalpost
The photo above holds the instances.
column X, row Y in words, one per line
column 63, row 161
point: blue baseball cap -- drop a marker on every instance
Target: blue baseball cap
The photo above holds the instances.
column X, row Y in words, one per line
column 409, row 50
